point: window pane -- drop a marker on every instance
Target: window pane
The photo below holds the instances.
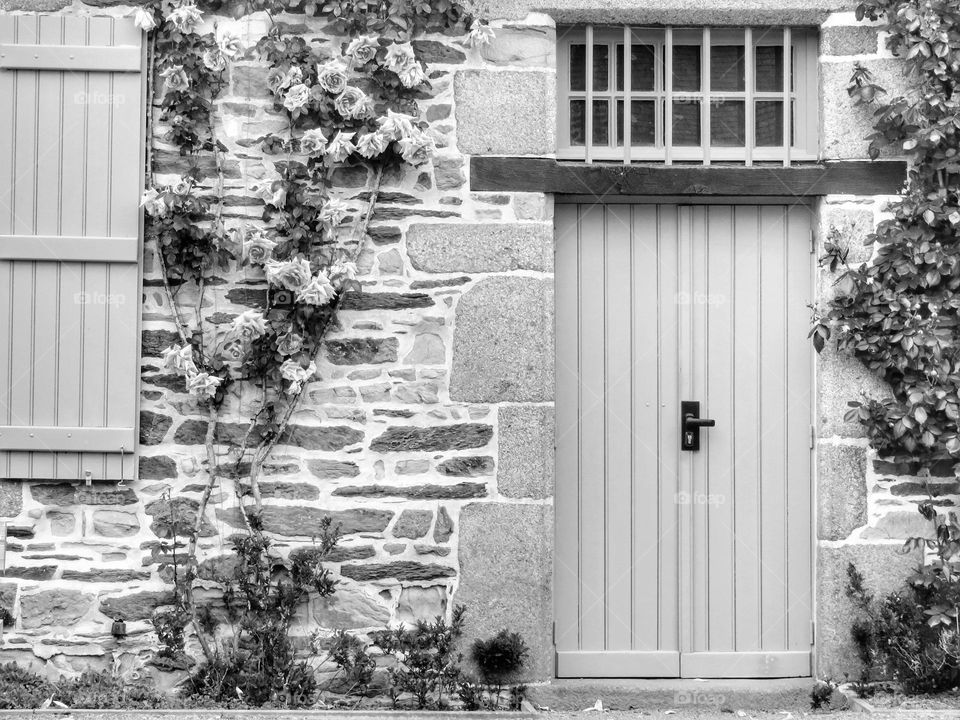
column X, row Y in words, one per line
column 601, row 67
column 601, row 122
column 643, row 123
column 769, row 70
column 727, row 68
column 642, row 64
column 578, row 67
column 686, row 122
column 686, row 67
column 769, row 123
column 728, row 123
column 577, row 122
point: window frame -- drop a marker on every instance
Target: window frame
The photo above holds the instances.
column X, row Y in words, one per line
column 803, row 68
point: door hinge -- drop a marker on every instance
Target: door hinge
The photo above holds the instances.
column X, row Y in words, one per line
column 813, row 632
column 813, row 436
column 813, row 242
column 553, row 633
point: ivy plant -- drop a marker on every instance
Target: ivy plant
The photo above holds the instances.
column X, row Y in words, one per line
column 898, row 312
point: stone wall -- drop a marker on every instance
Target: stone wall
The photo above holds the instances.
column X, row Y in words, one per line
column 430, row 436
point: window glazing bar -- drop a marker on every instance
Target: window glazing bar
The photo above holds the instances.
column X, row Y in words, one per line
column 588, row 101
column 627, row 90
column 667, row 95
column 787, row 104
column 749, row 111
column 706, row 105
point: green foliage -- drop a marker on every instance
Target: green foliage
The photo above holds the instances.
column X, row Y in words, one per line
column 427, row 662
column 898, row 313
column 913, row 635
column 22, row 689
column 499, row 658
column 260, row 664
column 821, row 694
column 351, row 656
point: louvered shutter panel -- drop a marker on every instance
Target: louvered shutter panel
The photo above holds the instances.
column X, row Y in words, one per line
column 71, row 176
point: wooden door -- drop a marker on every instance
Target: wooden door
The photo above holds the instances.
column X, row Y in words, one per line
column 674, row 563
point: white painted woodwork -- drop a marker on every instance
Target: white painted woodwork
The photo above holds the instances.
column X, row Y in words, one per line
column 672, row 563
column 71, row 176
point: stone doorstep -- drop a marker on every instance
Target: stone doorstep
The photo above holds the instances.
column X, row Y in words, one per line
column 859, row 705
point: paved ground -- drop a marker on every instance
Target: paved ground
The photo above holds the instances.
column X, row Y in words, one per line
column 570, row 700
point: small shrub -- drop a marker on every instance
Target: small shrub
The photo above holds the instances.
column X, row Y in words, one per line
column 499, row 658
column 350, row 655
column 427, row 663
column 22, row 689
column 260, row 664
column 912, row 635
column 821, row 694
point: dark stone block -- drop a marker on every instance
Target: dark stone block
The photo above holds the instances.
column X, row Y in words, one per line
column 178, row 516
column 138, row 606
column 413, row 524
column 105, row 575
column 40, row 572
column 433, row 439
column 403, row 570
column 444, row 526
column 433, row 52
column 338, row 554
column 68, row 495
column 460, row 491
column 176, row 383
column 153, row 427
column 326, row 438
column 938, row 468
column 385, row 301
column 427, row 284
column 248, row 297
column 384, row 235
column 289, row 491
column 159, row 467
column 154, row 342
column 924, row 489
column 362, row 351
column 303, row 521
column 328, row 469
column 469, row 466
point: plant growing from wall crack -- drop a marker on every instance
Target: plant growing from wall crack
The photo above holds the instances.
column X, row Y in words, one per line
column 352, row 107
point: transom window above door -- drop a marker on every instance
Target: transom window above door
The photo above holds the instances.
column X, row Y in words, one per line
column 703, row 95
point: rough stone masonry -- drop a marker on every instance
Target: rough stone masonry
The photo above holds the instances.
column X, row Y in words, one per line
column 429, row 437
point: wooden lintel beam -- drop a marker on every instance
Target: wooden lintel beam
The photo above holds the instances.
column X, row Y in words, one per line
column 845, row 177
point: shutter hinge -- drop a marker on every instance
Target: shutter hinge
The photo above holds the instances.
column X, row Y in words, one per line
column 813, row 632
column 813, row 242
column 554, row 633
column 813, row 436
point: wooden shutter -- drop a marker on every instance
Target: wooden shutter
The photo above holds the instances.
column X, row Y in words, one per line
column 71, row 176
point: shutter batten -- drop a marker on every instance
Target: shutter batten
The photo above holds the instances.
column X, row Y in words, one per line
column 71, row 176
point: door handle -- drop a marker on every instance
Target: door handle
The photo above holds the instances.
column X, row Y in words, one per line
column 690, row 424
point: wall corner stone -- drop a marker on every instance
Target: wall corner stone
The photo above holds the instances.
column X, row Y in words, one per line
column 506, row 577
column 503, row 342
column 526, row 437
column 505, row 113
column 842, row 493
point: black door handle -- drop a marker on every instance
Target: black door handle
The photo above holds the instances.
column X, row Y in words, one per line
column 690, row 424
